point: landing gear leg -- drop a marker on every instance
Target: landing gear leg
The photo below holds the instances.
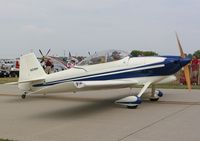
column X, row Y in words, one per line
column 152, row 97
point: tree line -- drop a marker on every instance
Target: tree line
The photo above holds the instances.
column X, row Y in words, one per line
column 136, row 53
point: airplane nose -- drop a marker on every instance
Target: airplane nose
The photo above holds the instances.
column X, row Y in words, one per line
column 184, row 61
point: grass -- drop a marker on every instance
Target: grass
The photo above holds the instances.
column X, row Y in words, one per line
column 6, row 140
column 8, row 80
column 176, row 86
column 173, row 85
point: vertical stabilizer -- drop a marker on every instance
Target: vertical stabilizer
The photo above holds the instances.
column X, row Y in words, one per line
column 30, row 68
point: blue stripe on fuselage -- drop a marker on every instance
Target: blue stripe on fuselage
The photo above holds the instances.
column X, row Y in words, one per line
column 169, row 68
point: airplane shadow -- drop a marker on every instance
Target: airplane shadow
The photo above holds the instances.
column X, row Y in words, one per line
column 81, row 106
column 92, row 106
column 17, row 98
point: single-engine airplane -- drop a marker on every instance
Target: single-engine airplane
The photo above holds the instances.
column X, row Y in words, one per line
column 106, row 70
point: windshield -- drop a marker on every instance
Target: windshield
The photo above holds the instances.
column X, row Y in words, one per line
column 103, row 57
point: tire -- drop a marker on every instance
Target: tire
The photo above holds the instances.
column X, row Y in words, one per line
column 154, row 99
column 132, row 107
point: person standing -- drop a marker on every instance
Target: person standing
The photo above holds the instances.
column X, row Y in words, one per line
column 199, row 72
column 195, row 69
column 49, row 66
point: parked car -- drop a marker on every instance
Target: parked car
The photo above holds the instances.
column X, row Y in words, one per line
column 14, row 72
column 4, row 73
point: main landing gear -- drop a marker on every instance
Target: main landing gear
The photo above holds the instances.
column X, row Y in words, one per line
column 132, row 102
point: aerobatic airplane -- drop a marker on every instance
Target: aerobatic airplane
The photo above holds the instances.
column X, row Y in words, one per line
column 106, row 70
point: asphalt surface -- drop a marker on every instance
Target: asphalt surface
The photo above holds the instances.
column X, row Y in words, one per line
column 93, row 116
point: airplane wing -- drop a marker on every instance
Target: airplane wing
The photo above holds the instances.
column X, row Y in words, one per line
column 83, row 84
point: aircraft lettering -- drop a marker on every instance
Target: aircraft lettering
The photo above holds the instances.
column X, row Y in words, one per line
column 33, row 69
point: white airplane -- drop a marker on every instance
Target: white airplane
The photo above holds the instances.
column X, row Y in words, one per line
column 108, row 70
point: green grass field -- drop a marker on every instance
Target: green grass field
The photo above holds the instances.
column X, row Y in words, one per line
column 6, row 140
column 8, row 79
column 176, row 86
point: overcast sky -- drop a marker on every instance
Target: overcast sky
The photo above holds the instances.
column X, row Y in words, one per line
column 80, row 26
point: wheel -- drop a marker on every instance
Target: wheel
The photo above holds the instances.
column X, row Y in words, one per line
column 23, row 96
column 132, row 107
column 154, row 99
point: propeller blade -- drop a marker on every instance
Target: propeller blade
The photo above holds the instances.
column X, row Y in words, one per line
column 187, row 77
column 186, row 68
column 41, row 53
column 48, row 52
column 182, row 54
column 70, row 54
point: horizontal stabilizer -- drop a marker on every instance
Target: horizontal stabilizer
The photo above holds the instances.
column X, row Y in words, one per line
column 11, row 83
column 31, row 80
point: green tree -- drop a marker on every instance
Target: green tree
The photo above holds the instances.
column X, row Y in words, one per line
column 189, row 55
column 197, row 54
column 150, row 53
column 136, row 53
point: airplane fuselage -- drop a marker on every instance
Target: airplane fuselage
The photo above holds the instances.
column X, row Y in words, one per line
column 134, row 69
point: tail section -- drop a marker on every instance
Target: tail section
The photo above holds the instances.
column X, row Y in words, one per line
column 30, row 71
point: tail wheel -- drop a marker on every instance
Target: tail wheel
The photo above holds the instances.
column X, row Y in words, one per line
column 23, row 96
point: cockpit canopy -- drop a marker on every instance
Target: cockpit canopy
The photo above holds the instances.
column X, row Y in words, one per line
column 104, row 57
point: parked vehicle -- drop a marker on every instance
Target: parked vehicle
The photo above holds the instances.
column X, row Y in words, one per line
column 14, row 71
column 4, row 73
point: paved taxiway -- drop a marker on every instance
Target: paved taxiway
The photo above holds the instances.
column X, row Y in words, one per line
column 92, row 116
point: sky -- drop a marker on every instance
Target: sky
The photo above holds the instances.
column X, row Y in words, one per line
column 80, row 26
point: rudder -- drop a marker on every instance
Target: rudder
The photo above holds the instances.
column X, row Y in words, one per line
column 30, row 68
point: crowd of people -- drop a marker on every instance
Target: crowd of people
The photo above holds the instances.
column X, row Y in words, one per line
column 194, row 71
column 49, row 65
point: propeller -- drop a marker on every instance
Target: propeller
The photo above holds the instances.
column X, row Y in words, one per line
column 186, row 67
column 48, row 52
column 41, row 53
column 44, row 56
column 70, row 55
